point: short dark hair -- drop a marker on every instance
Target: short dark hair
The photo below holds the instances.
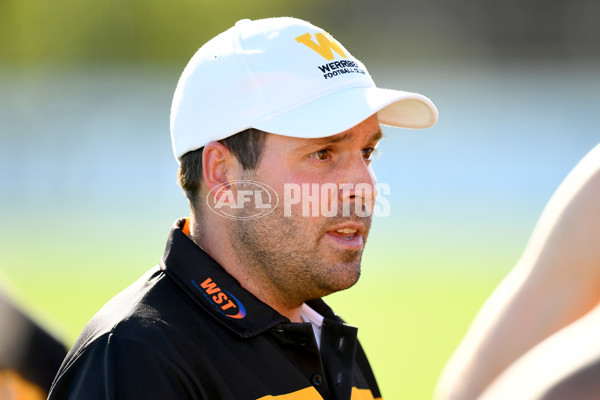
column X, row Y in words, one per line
column 247, row 147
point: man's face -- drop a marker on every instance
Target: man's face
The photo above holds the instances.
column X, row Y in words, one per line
column 301, row 256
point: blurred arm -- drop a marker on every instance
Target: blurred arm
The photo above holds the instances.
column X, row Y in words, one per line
column 564, row 366
column 556, row 281
column 29, row 354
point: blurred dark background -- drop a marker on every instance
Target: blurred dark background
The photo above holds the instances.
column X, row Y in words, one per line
column 38, row 33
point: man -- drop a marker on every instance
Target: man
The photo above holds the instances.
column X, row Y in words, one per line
column 233, row 311
column 536, row 337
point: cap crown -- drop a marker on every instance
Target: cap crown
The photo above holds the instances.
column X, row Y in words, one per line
column 254, row 72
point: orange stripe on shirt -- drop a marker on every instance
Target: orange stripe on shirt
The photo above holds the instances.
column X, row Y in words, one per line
column 186, row 227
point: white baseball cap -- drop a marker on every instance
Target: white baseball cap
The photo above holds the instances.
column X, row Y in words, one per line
column 283, row 76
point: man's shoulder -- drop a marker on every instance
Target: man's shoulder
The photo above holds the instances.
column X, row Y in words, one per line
column 132, row 359
column 143, row 311
column 147, row 320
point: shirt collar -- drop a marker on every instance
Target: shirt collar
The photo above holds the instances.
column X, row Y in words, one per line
column 213, row 289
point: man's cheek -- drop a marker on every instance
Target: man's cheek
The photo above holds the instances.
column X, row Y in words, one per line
column 329, row 200
column 364, row 199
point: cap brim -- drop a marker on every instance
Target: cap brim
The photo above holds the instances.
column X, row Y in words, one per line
column 341, row 110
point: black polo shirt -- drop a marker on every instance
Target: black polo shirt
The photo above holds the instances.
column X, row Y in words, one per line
column 188, row 330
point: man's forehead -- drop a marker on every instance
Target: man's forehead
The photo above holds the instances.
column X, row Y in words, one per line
column 300, row 144
column 366, row 132
column 346, row 137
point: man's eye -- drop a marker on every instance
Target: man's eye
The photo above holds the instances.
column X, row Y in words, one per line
column 320, row 155
column 368, row 153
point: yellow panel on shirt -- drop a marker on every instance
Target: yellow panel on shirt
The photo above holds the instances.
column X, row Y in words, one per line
column 310, row 393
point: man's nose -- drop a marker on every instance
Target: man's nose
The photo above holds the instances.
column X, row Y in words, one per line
column 358, row 180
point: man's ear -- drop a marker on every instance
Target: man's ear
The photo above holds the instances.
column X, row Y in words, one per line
column 219, row 165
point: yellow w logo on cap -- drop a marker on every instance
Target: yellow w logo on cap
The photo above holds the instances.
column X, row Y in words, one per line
column 324, row 46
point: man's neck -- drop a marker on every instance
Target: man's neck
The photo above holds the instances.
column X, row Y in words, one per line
column 217, row 244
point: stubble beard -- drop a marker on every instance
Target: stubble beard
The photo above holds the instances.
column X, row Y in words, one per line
column 284, row 257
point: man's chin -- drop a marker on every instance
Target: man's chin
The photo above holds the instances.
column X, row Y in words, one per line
column 344, row 277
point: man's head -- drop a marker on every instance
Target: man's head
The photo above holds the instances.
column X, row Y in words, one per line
column 280, row 102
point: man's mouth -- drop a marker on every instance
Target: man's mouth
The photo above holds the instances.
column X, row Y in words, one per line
column 348, row 236
column 345, row 233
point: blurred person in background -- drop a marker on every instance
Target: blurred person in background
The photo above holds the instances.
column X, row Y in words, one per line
column 234, row 310
column 536, row 337
column 29, row 355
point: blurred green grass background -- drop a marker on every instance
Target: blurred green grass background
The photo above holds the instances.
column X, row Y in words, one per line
column 87, row 178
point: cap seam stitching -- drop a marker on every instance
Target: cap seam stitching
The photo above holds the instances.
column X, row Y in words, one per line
column 251, row 71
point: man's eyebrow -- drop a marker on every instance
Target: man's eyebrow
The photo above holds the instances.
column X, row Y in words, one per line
column 377, row 136
column 323, row 142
